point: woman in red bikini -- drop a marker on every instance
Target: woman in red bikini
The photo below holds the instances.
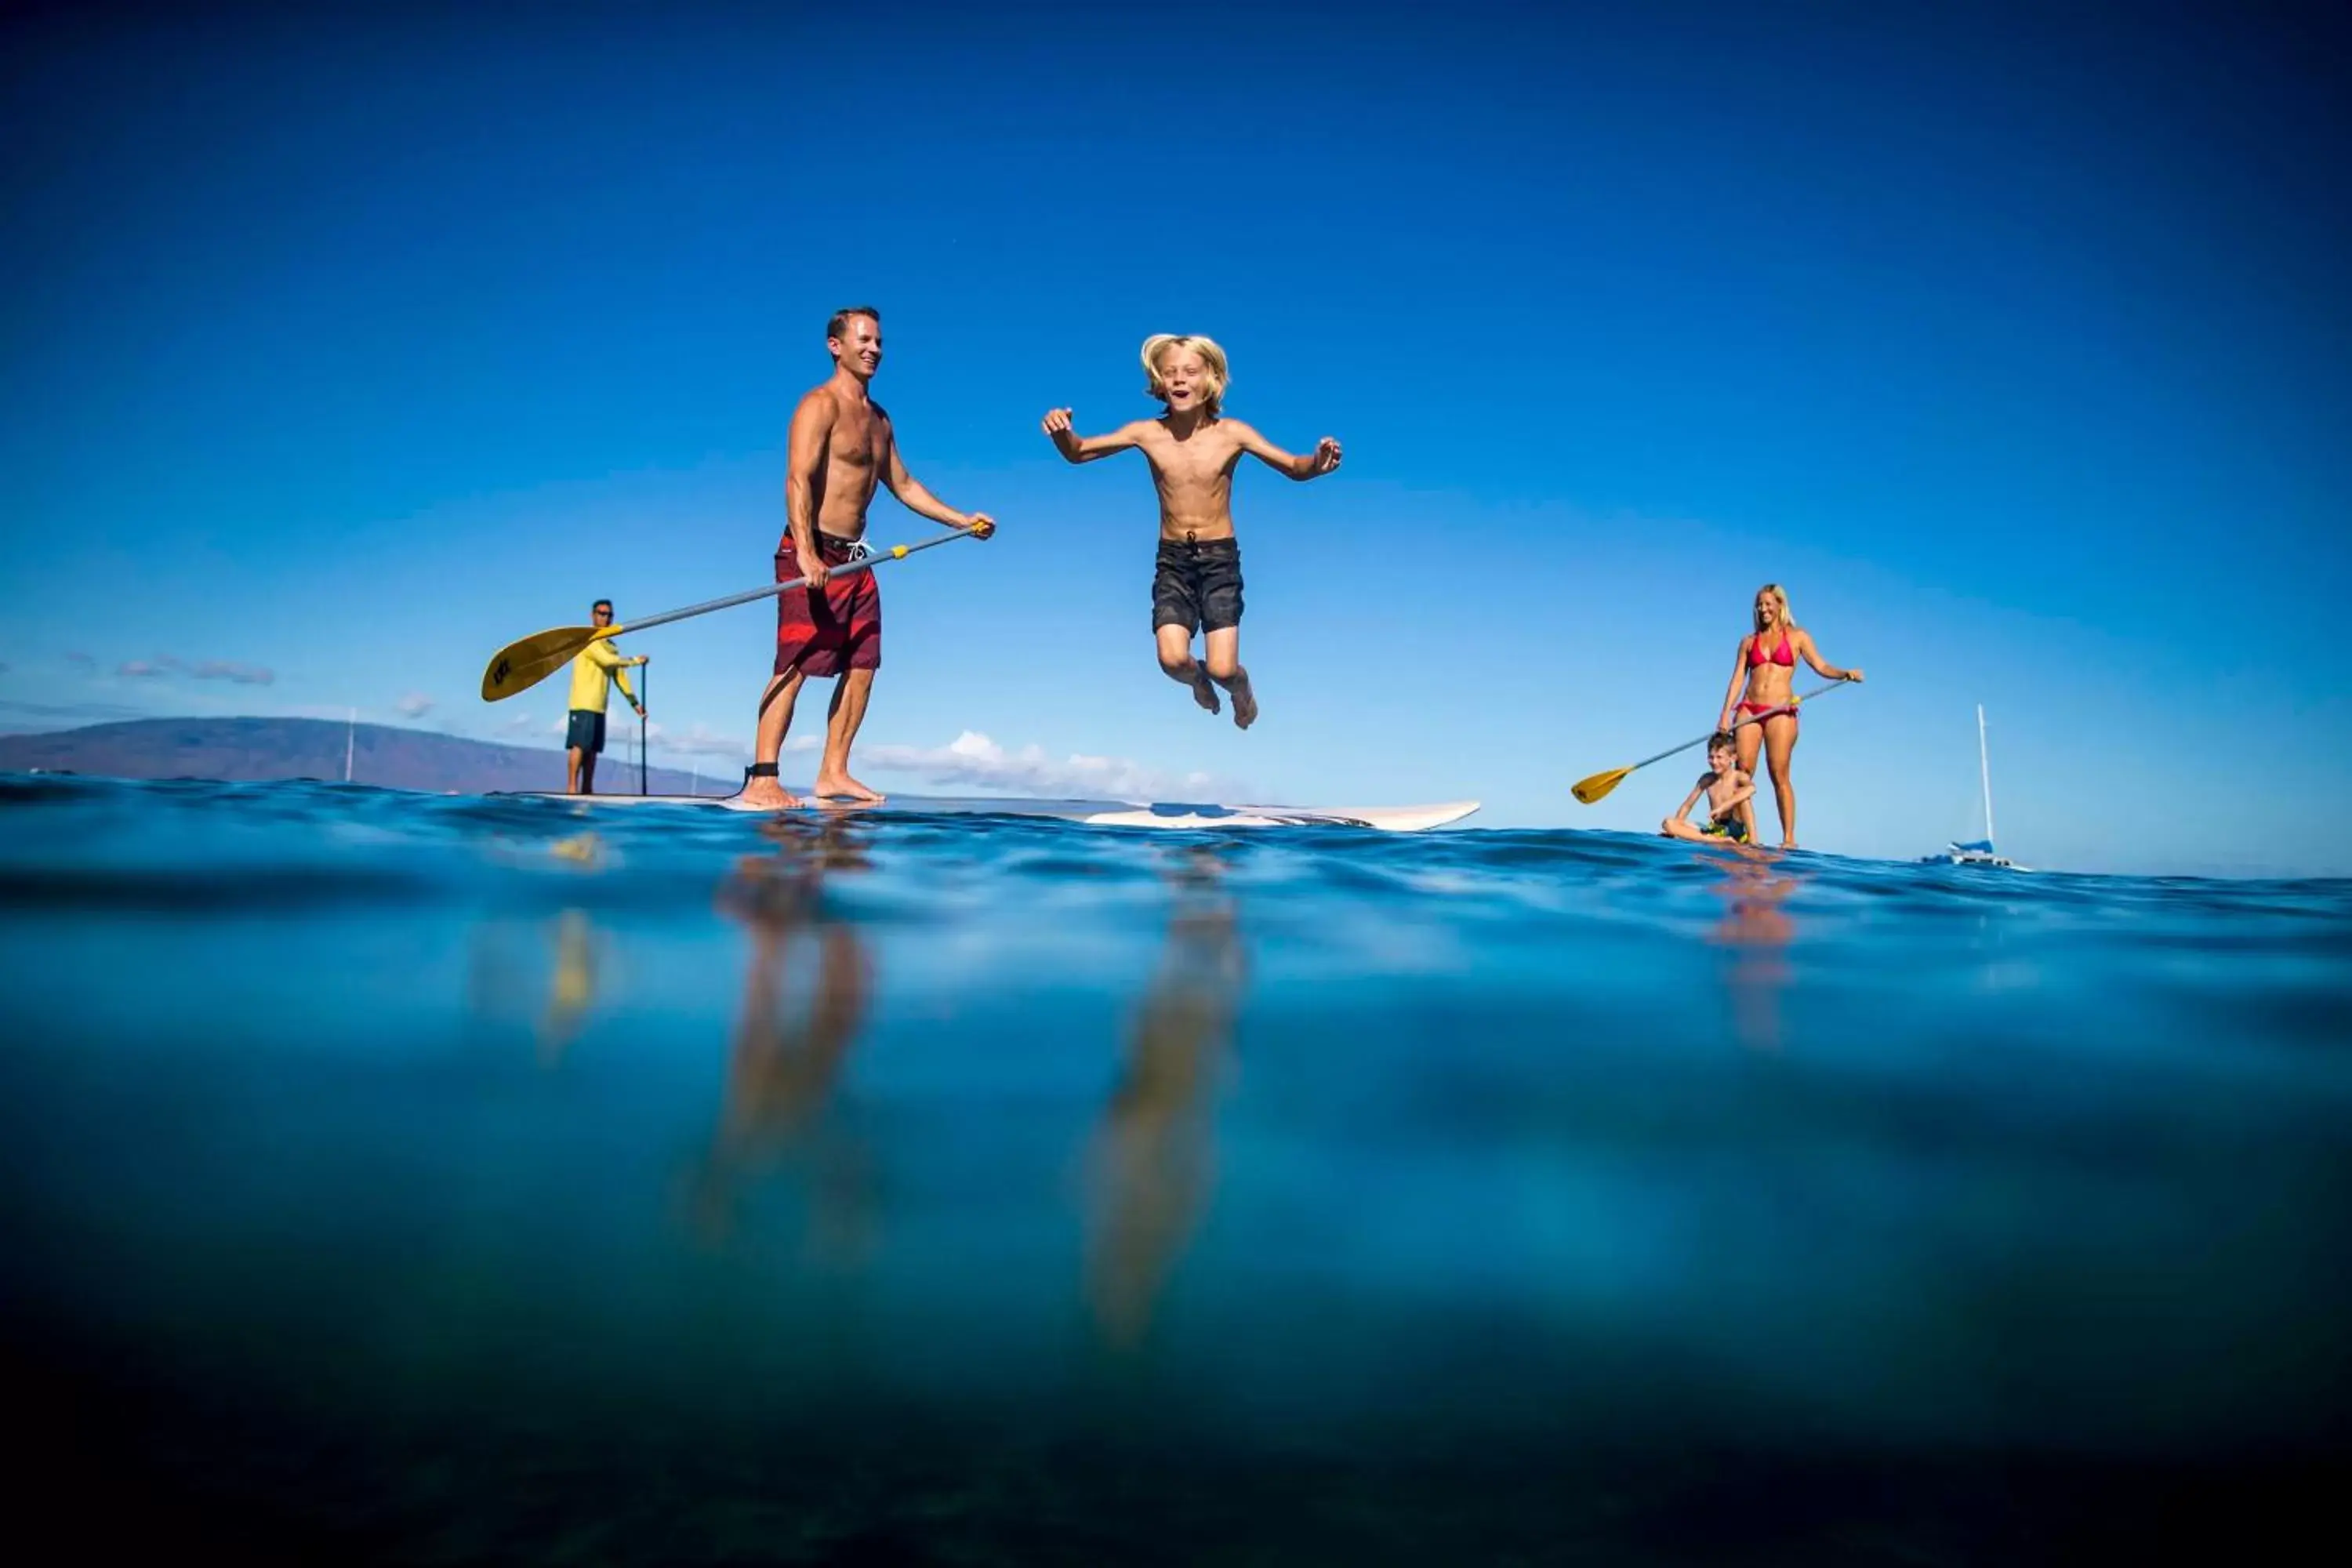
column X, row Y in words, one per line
column 1767, row 665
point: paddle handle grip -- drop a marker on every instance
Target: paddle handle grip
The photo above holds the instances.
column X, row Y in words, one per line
column 731, row 600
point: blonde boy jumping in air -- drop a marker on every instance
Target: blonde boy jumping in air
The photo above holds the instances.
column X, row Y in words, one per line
column 1193, row 449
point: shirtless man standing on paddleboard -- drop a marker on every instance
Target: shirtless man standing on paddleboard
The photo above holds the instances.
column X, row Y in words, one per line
column 841, row 446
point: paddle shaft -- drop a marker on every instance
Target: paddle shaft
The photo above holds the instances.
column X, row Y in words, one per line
column 731, row 600
column 1752, row 719
column 519, row 665
column 645, row 701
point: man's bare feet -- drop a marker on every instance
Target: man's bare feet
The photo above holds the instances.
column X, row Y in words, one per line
column 1204, row 690
column 1244, row 699
column 767, row 794
column 840, row 786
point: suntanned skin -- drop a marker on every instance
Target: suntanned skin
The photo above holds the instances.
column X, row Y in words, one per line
column 1773, row 683
column 1729, row 789
column 841, row 446
column 1192, row 454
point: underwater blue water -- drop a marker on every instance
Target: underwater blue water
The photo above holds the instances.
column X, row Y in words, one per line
column 468, row 1177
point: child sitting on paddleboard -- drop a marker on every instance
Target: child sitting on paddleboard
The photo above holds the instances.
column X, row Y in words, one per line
column 1730, row 799
column 1193, row 450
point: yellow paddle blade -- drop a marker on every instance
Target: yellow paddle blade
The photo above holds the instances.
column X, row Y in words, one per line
column 1593, row 789
column 519, row 665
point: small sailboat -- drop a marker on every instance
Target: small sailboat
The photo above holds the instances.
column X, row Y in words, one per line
column 1978, row 852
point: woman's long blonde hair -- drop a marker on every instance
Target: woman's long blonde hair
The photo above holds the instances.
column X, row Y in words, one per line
column 1779, row 596
column 1213, row 356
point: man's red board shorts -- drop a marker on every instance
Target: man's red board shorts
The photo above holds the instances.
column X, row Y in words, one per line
column 828, row 630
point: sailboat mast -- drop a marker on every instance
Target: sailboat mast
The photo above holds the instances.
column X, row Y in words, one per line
column 1984, row 766
column 350, row 738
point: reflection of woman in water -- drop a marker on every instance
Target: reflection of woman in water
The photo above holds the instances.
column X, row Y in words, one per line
column 1767, row 664
column 1758, row 931
column 785, row 1066
column 1151, row 1165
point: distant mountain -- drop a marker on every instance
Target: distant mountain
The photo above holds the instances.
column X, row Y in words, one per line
column 253, row 749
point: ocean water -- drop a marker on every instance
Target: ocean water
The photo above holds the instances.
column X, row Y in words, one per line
column 408, row 1178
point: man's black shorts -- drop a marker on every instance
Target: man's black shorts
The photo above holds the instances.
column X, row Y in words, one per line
column 1197, row 586
column 586, row 734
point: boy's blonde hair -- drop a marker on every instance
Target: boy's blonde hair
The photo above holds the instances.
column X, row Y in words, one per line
column 1779, row 596
column 1159, row 343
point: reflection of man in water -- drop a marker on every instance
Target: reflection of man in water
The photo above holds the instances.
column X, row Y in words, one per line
column 1151, row 1162
column 502, row 982
column 579, row 951
column 1758, row 932
column 578, row 947
column 787, row 1062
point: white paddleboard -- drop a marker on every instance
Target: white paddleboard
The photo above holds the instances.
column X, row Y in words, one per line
column 1093, row 813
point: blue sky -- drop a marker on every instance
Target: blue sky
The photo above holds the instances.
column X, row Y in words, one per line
column 2015, row 347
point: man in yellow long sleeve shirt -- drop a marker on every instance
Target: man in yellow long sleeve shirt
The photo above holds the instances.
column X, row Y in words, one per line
column 585, row 736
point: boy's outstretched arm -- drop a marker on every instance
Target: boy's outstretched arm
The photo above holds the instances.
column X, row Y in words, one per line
column 1321, row 461
column 1080, row 448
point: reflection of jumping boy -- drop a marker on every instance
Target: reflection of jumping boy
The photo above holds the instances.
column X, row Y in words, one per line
column 1730, row 799
column 1193, row 450
column 1153, row 1156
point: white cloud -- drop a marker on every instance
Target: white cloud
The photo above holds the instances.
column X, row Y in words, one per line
column 415, row 705
column 973, row 758
column 701, row 740
column 243, row 674
column 203, row 669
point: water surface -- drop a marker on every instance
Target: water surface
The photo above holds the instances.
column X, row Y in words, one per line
column 433, row 1178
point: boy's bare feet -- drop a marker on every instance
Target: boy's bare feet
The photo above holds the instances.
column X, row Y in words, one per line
column 1244, row 699
column 1205, row 691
